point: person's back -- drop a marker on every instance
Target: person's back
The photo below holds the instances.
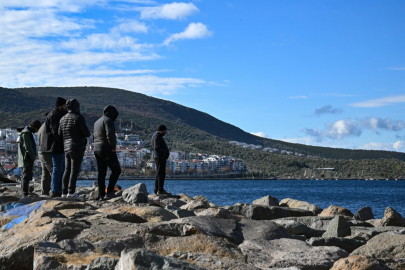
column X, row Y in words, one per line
column 73, row 131
column 105, row 143
column 46, row 161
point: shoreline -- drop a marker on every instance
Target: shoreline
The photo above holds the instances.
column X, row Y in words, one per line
column 229, row 178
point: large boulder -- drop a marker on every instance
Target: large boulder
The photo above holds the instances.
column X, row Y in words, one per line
column 210, row 261
column 298, row 228
column 288, row 202
column 146, row 259
column 391, row 218
column 219, row 213
column 383, row 247
column 317, row 223
column 373, row 231
column 194, row 205
column 364, row 213
column 344, row 243
column 267, row 200
column 283, row 253
column 262, row 212
column 359, row 263
column 338, row 227
column 136, row 194
column 149, row 213
column 248, row 229
column 103, row 263
column 333, row 210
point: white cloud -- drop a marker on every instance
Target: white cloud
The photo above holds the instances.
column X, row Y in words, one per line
column 260, row 134
column 193, row 31
column 375, row 123
column 397, row 146
column 173, row 11
column 295, row 97
column 385, row 101
column 335, row 131
column 41, row 47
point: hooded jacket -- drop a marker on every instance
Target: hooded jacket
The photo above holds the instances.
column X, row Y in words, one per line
column 26, row 149
column 159, row 146
column 51, row 142
column 104, row 130
column 72, row 128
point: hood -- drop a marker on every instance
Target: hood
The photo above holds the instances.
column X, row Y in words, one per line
column 73, row 105
column 111, row 112
column 21, row 130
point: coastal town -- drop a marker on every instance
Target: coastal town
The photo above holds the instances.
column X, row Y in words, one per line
column 134, row 157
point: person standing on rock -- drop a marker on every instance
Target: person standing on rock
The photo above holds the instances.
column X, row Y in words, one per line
column 27, row 153
column 160, row 152
column 105, row 143
column 46, row 161
column 73, row 131
column 53, row 144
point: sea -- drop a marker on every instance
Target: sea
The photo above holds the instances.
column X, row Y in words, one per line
column 350, row 194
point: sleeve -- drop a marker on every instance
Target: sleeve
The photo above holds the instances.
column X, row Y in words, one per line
column 83, row 127
column 110, row 133
column 60, row 132
column 27, row 144
column 54, row 126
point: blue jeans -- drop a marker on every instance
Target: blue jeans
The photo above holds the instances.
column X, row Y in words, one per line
column 58, row 161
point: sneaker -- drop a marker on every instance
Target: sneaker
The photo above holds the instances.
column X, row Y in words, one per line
column 54, row 195
column 163, row 192
column 110, row 195
column 64, row 195
column 75, row 196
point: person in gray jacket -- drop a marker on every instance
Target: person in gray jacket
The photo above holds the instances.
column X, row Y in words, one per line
column 46, row 161
column 105, row 143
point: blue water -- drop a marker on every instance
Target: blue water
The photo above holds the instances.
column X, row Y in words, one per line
column 350, row 194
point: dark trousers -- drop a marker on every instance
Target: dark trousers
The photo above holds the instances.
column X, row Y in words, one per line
column 73, row 163
column 107, row 159
column 26, row 177
column 160, row 173
column 47, row 169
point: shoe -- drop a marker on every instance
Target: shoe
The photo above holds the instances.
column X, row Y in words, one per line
column 163, row 192
column 45, row 193
column 54, row 195
column 75, row 196
column 24, row 195
column 110, row 195
column 64, row 195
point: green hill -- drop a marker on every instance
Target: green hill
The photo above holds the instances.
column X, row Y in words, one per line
column 189, row 129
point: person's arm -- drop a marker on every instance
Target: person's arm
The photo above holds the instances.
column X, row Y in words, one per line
column 60, row 133
column 157, row 141
column 54, row 126
column 27, row 144
column 110, row 133
column 83, row 127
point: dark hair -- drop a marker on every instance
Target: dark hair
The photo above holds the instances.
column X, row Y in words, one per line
column 161, row 128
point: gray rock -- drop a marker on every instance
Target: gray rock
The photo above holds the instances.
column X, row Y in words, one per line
column 7, row 199
column 136, row 194
column 346, row 244
column 119, row 193
column 391, row 218
column 383, row 247
column 94, row 194
column 283, row 253
column 248, row 229
column 164, row 201
column 317, row 223
column 144, row 259
column 261, row 212
column 103, row 263
column 125, row 217
column 182, row 213
column 301, row 205
column 364, row 213
column 299, row 228
column 373, row 231
column 193, row 205
column 202, row 199
column 95, row 184
column 213, row 262
column 267, row 200
column 76, row 246
column 338, row 227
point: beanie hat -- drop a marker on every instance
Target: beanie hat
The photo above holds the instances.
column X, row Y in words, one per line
column 36, row 124
column 60, row 101
column 161, row 128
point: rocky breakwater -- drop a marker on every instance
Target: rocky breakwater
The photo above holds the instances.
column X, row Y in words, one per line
column 137, row 230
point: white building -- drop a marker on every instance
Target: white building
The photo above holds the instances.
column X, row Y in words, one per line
column 3, row 146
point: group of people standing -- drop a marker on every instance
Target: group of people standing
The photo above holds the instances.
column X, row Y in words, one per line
column 62, row 142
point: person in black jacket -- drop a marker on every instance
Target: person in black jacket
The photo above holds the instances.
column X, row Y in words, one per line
column 160, row 152
column 105, row 142
column 73, row 131
column 53, row 144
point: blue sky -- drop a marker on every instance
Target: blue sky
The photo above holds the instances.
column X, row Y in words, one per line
column 329, row 73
